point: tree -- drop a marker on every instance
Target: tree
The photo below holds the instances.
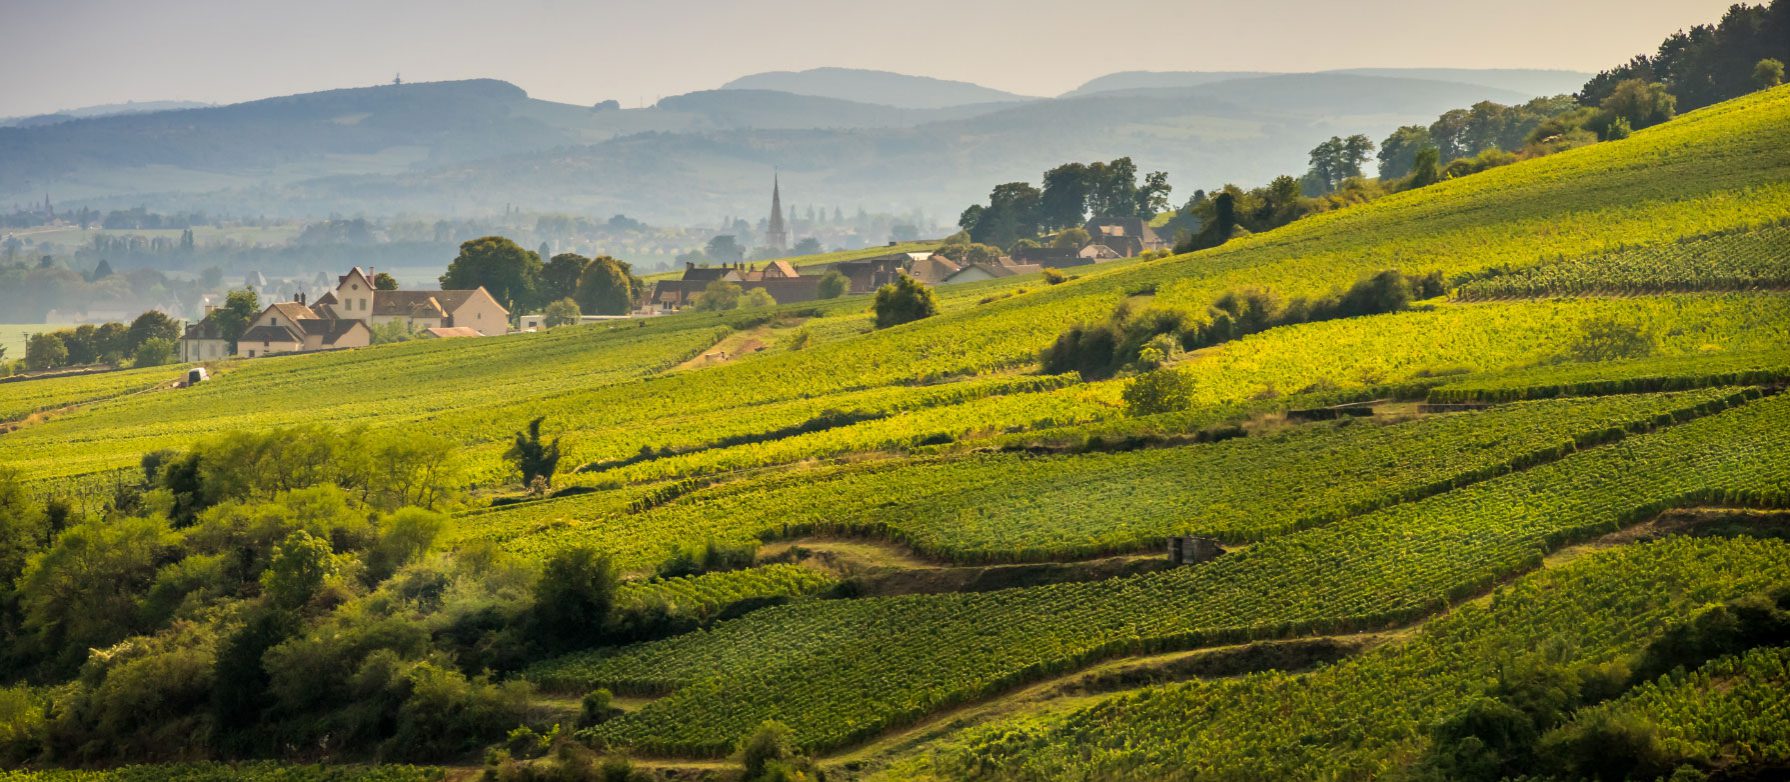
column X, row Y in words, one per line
column 1338, row 159
column 758, row 297
column 1398, row 153
column 149, row 325
column 1159, row 391
column 45, row 350
column 536, row 459
column 833, row 285
column 384, row 282
column 154, row 352
column 560, row 276
column 725, row 249
column 1064, row 201
column 239, row 310
column 300, row 565
column 1767, row 73
column 509, row 273
column 770, row 745
column 1012, row 214
column 1071, row 239
column 719, row 295
column 605, row 288
column 903, row 301
column 1426, row 168
column 562, row 313
column 807, row 246
column 1642, row 104
column 1152, row 197
column 573, row 599
column 1606, row 339
column 1112, row 190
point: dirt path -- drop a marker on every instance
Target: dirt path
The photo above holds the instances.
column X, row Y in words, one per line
column 729, row 348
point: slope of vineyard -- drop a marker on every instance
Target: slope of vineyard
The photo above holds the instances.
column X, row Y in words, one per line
column 1013, row 507
column 219, row 772
column 839, row 671
column 1653, row 373
column 1362, row 717
column 1716, row 169
column 1738, row 260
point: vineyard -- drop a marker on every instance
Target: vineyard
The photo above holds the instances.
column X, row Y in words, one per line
column 1012, row 507
column 1362, row 717
column 814, row 665
column 1741, row 260
column 950, row 521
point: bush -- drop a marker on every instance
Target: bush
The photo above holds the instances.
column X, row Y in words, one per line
column 573, row 599
column 154, row 352
column 904, row 301
column 833, row 285
column 562, row 313
column 1055, row 277
column 1606, row 747
column 770, row 755
column 1159, row 391
column 758, row 297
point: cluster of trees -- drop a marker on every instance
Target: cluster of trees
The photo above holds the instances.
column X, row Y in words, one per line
column 147, row 341
column 1148, row 339
column 1071, row 192
column 518, row 278
column 904, row 301
column 1708, row 64
column 1524, row 727
column 279, row 593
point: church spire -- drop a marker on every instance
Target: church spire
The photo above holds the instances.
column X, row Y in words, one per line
column 776, row 236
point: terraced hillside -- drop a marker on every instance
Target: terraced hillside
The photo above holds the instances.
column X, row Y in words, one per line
column 867, row 534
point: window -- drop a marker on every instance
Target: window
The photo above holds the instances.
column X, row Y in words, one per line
column 251, row 354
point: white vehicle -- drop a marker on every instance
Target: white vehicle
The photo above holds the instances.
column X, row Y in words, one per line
column 195, row 376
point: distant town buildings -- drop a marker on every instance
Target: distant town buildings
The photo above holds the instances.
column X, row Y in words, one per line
column 344, row 317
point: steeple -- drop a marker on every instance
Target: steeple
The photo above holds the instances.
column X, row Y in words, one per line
column 776, row 236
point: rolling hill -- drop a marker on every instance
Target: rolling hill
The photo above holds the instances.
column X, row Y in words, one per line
column 1526, row 82
column 864, row 86
column 1608, row 484
column 472, row 147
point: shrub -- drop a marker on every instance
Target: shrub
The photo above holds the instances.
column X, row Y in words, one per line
column 573, row 599
column 833, row 285
column 903, row 301
column 1159, row 391
column 1605, row 339
column 1055, row 277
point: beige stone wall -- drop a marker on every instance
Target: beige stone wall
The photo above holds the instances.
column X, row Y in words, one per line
column 204, row 349
column 483, row 313
column 258, row 349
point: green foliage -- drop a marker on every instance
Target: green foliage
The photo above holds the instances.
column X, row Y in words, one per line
column 1768, row 73
column 239, row 310
column 1708, row 63
column 511, row 274
column 384, row 282
column 719, row 296
column 45, row 350
column 299, row 566
column 155, row 351
column 535, row 458
column 1608, row 339
column 606, row 287
column 756, row 298
column 1159, row 391
column 1636, row 104
column 833, row 285
column 560, row 276
column 573, row 600
column 564, row 312
column 392, row 331
column 1338, row 159
column 79, row 593
column 904, row 301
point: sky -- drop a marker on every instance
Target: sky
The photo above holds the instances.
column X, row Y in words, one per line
column 74, row 53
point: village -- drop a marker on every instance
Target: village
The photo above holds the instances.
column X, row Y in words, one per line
column 354, row 311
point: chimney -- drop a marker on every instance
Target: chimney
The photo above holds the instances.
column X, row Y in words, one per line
column 688, row 265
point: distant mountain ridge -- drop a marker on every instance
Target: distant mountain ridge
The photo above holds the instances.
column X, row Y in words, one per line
column 1528, row 82
column 868, row 86
column 471, row 147
column 103, row 110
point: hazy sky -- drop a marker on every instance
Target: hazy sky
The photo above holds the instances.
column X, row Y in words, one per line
column 71, row 53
